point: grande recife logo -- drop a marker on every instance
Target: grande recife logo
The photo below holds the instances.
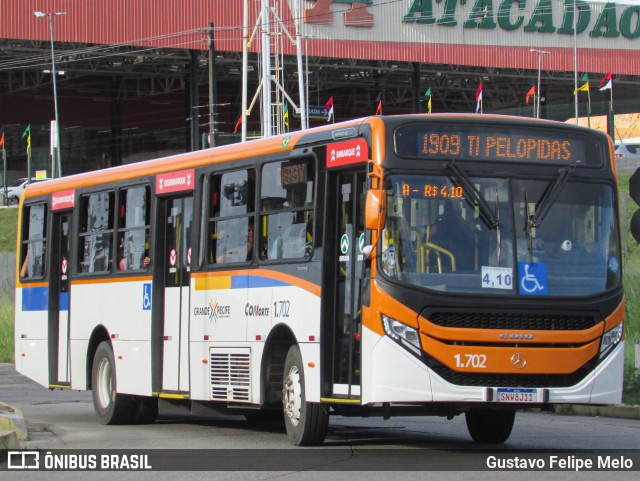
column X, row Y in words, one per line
column 180, row 181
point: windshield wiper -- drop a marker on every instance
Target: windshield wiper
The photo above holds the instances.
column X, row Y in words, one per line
column 460, row 177
column 548, row 197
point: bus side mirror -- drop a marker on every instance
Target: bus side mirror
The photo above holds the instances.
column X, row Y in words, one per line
column 634, row 192
column 375, row 209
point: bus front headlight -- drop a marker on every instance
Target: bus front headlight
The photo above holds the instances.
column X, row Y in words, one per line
column 407, row 336
column 611, row 339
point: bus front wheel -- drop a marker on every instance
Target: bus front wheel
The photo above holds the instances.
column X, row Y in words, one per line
column 306, row 422
column 110, row 407
column 490, row 426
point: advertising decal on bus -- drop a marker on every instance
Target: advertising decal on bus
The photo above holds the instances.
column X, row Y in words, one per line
column 63, row 200
column 171, row 182
column 347, row 152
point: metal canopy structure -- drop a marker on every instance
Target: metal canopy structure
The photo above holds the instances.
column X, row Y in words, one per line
column 125, row 101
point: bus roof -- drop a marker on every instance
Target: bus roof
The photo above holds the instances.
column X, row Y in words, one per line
column 264, row 146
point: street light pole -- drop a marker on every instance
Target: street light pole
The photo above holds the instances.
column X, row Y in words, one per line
column 540, row 54
column 56, row 170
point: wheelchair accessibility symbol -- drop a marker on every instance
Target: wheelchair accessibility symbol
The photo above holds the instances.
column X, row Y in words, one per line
column 533, row 279
column 146, row 296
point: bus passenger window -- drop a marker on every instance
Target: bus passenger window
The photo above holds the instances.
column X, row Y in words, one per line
column 34, row 242
column 134, row 229
column 286, row 210
column 231, row 217
column 96, row 231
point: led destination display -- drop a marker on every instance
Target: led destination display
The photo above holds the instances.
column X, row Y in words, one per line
column 460, row 142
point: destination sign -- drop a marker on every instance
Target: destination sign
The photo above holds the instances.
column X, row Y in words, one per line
column 466, row 142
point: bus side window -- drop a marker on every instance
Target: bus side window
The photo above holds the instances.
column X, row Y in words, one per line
column 34, row 240
column 231, row 217
column 133, row 229
column 286, row 210
column 96, row 232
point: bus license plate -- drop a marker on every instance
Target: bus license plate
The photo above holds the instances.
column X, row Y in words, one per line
column 515, row 395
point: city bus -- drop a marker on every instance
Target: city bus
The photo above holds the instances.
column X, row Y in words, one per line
column 387, row 266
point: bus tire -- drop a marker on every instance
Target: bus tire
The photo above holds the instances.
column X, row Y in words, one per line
column 110, row 407
column 306, row 422
column 490, row 426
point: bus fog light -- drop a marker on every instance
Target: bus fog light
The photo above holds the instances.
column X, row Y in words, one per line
column 611, row 338
column 399, row 332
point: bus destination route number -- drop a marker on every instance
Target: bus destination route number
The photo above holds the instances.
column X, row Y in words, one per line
column 495, row 147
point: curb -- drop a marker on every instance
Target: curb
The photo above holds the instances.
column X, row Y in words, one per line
column 8, row 440
column 621, row 411
column 12, row 422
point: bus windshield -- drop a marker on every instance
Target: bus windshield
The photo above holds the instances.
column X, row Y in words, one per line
column 487, row 235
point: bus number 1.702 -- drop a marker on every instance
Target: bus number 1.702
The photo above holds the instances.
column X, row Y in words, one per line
column 281, row 308
column 476, row 361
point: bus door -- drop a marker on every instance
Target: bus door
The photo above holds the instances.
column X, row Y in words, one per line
column 59, row 361
column 344, row 241
column 176, row 216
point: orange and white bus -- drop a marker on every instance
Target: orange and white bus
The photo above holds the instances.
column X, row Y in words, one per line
column 406, row 265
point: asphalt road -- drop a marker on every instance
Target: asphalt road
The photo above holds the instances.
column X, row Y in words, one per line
column 65, row 420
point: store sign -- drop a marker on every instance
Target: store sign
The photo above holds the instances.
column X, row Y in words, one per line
column 531, row 16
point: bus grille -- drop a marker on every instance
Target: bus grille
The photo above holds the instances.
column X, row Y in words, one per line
column 500, row 320
column 510, row 380
column 231, row 374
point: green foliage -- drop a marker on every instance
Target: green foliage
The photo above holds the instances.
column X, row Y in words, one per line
column 631, row 392
column 6, row 328
column 8, row 228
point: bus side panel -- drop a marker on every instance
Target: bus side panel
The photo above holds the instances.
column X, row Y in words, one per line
column 241, row 314
column 124, row 315
column 608, row 378
column 31, row 332
column 78, row 355
column 390, row 373
column 118, row 306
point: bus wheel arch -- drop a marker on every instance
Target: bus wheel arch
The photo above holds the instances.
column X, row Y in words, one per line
column 277, row 345
column 99, row 335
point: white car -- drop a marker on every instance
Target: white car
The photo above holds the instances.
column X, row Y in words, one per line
column 15, row 189
column 628, row 150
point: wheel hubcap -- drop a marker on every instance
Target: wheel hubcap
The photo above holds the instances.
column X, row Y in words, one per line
column 104, row 383
column 292, row 396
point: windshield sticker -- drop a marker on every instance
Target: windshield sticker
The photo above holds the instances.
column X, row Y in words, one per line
column 533, row 278
column 497, row 277
column 614, row 264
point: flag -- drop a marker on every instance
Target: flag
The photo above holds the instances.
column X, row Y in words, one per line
column 585, row 86
column 2, row 138
column 328, row 109
column 379, row 102
column 238, row 124
column 532, row 91
column 285, row 115
column 27, row 134
column 427, row 94
column 606, row 83
column 479, row 98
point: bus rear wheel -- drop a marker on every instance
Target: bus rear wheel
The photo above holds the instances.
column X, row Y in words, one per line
column 110, row 407
column 306, row 422
column 490, row 426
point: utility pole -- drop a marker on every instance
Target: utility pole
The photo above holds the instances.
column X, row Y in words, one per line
column 213, row 90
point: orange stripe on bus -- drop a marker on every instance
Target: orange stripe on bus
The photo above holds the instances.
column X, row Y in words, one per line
column 109, row 280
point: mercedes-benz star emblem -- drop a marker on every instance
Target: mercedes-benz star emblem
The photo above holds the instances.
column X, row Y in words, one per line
column 518, row 361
